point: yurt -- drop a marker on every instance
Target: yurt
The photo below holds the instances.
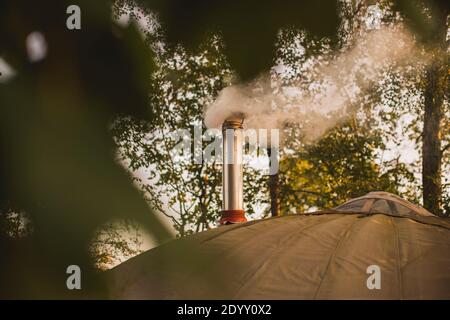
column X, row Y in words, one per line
column 378, row 246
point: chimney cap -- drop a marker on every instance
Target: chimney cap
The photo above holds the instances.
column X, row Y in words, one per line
column 233, row 123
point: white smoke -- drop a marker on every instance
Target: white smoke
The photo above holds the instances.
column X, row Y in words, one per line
column 337, row 82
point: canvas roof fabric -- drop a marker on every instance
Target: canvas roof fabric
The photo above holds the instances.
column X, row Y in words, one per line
column 323, row 255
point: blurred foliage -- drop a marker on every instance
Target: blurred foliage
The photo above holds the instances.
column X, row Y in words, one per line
column 424, row 17
column 13, row 222
column 249, row 28
column 58, row 157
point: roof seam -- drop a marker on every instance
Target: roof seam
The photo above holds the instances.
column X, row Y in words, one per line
column 332, row 257
column 397, row 245
column 267, row 261
column 235, row 252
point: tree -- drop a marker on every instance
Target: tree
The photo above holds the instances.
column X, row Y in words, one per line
column 116, row 242
column 183, row 190
column 421, row 92
column 436, row 87
column 384, row 106
column 429, row 20
column 338, row 167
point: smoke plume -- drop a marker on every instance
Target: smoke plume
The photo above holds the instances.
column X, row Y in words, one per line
column 334, row 84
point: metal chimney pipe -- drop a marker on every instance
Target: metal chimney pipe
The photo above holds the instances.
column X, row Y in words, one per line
column 232, row 180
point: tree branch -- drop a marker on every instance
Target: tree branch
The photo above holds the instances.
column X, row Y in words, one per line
column 447, row 147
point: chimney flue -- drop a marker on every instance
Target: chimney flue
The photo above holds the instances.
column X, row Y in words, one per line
column 232, row 194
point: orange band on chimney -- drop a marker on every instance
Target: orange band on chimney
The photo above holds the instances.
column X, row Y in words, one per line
column 232, row 216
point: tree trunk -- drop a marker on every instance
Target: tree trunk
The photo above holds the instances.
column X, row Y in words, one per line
column 274, row 189
column 435, row 87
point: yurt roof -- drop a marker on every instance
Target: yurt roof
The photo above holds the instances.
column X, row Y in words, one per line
column 383, row 202
column 322, row 255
